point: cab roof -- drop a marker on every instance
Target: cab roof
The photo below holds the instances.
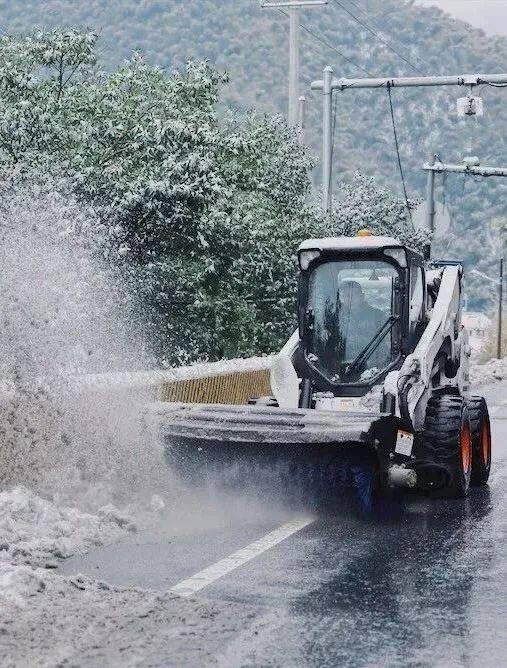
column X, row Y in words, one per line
column 350, row 243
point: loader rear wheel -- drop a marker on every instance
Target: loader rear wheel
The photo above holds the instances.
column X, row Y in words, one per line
column 481, row 440
column 448, row 437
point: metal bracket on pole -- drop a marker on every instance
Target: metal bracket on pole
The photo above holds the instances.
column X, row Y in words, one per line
column 415, row 82
column 473, row 170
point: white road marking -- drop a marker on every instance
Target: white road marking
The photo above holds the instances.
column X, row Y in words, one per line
column 224, row 566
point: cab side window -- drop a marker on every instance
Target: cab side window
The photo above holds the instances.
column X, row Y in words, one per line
column 416, row 313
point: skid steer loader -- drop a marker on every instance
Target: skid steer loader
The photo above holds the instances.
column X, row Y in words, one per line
column 377, row 372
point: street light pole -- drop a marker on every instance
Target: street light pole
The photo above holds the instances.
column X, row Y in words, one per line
column 293, row 7
column 328, row 84
column 469, row 166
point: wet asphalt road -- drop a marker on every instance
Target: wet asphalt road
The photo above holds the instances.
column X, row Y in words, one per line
column 424, row 583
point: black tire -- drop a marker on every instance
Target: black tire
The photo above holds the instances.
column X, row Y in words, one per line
column 449, row 443
column 481, row 440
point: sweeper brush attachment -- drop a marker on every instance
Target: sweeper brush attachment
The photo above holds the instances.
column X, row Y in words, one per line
column 297, row 455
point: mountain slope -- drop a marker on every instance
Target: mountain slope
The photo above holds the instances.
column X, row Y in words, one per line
column 251, row 44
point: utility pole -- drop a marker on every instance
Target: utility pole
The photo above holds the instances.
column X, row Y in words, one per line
column 500, row 312
column 293, row 7
column 328, row 84
column 430, row 205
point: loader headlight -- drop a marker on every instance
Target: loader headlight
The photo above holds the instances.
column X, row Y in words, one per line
column 306, row 257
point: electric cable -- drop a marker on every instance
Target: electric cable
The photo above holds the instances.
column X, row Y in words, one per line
column 332, row 48
column 328, row 45
column 377, row 36
column 492, row 84
column 361, row 11
column 395, row 133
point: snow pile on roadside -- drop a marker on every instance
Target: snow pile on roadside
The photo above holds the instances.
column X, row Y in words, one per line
column 35, row 533
column 20, row 583
column 488, row 373
column 34, row 530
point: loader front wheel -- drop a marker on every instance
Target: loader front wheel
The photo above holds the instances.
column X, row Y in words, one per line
column 448, row 437
column 481, row 440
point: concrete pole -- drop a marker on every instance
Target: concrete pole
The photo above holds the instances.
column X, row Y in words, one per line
column 500, row 312
column 293, row 7
column 430, row 205
column 293, row 65
column 327, row 139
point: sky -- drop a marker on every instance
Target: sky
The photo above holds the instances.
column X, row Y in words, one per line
column 490, row 15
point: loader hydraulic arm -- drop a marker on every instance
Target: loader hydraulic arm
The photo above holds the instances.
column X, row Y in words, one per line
column 442, row 337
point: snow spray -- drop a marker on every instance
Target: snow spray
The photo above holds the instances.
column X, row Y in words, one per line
column 66, row 314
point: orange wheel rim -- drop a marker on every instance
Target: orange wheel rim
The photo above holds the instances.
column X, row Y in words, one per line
column 485, row 441
column 466, row 447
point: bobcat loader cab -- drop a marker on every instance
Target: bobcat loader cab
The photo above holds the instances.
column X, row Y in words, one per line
column 378, row 367
column 360, row 303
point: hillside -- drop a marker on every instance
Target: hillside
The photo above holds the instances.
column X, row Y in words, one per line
column 250, row 44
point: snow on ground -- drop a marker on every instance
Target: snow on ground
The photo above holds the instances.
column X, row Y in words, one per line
column 488, row 373
column 82, row 622
column 47, row 619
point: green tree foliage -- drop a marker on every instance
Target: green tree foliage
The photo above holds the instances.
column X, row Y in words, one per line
column 202, row 212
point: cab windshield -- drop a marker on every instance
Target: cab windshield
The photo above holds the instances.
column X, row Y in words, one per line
column 351, row 319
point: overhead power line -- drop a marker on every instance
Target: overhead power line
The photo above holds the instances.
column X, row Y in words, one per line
column 494, row 85
column 375, row 27
column 376, row 35
column 395, row 134
column 328, row 45
column 332, row 48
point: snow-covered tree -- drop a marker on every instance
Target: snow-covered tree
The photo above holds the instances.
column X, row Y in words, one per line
column 203, row 213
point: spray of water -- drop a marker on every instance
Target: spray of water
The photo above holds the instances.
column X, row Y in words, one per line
column 65, row 314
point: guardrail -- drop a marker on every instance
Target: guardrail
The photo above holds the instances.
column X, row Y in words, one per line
column 225, row 382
